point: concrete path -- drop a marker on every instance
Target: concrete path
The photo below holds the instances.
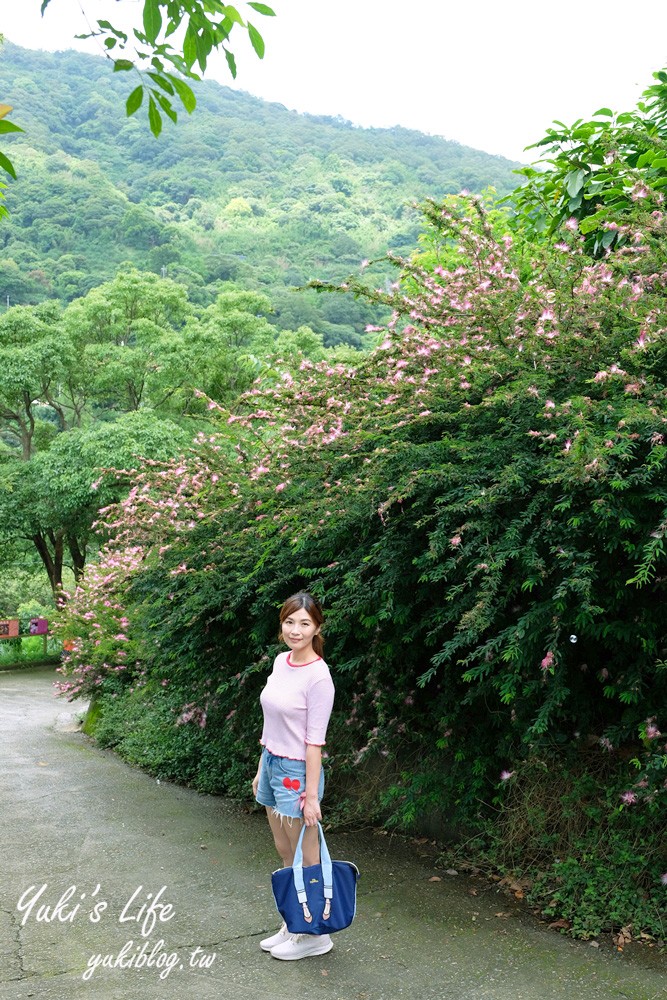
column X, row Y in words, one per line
column 101, row 860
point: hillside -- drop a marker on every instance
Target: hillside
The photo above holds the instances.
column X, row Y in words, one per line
column 244, row 191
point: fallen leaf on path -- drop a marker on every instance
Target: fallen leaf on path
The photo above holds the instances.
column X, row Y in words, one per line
column 435, row 878
column 452, row 871
column 561, row 924
column 501, row 914
column 623, row 937
column 42, row 763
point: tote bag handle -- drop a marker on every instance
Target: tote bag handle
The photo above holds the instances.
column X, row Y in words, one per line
column 325, row 860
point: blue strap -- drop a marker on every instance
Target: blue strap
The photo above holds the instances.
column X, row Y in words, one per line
column 325, row 858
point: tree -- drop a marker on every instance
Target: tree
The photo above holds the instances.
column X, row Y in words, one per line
column 62, row 377
column 53, row 500
column 596, row 170
column 128, row 335
column 38, row 368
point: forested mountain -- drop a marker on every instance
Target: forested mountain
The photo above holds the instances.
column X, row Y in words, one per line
column 245, row 191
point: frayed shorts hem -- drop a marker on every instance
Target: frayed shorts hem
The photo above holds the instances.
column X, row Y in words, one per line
column 282, row 785
column 282, row 816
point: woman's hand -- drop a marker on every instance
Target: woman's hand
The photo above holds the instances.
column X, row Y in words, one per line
column 312, row 814
column 255, row 783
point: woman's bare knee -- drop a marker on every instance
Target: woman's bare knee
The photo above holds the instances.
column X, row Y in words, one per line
column 281, row 836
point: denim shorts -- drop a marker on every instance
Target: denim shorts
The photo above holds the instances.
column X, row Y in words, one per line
column 282, row 785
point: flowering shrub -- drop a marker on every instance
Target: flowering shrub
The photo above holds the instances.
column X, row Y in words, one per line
column 480, row 503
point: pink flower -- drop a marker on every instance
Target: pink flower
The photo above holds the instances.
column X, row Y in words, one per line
column 629, row 798
column 652, row 731
column 506, row 775
column 663, row 878
column 280, row 487
column 639, row 191
column 456, row 540
column 548, row 661
column 572, row 224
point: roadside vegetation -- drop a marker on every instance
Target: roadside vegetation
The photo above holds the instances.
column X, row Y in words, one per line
column 475, row 490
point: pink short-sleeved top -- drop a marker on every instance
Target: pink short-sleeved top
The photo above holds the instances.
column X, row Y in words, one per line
column 296, row 703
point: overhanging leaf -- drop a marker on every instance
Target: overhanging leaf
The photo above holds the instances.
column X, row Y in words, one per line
column 256, row 40
column 7, row 165
column 134, row 101
column 152, row 19
column 261, row 8
column 8, row 127
column 231, row 62
column 154, row 118
column 185, row 93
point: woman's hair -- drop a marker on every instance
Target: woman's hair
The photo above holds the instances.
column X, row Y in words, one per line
column 312, row 607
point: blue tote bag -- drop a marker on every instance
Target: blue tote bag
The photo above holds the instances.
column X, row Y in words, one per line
column 317, row 899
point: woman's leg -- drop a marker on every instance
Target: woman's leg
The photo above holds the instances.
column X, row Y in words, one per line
column 286, row 833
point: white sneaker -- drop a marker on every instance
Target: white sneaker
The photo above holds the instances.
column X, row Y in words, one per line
column 278, row 938
column 302, row 946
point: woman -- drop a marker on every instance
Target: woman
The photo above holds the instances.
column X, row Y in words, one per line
column 296, row 703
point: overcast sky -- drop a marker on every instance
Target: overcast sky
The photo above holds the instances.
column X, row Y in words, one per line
column 488, row 74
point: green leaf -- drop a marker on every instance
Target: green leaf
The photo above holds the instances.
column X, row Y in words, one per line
column 162, row 82
column 110, row 43
column 603, row 111
column 166, row 106
column 233, row 14
column 7, row 165
column 152, row 19
column 154, row 118
column 190, row 46
column 6, row 126
column 231, row 62
column 185, row 93
column 133, row 103
column 106, row 26
column 261, row 8
column 646, row 158
column 122, row 65
column 256, row 40
column 574, row 181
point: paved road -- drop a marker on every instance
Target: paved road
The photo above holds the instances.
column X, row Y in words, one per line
column 99, row 860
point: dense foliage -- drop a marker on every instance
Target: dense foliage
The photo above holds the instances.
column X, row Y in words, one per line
column 245, row 191
column 595, row 171
column 480, row 503
column 479, row 500
column 108, row 382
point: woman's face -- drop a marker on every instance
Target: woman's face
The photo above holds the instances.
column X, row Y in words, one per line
column 299, row 630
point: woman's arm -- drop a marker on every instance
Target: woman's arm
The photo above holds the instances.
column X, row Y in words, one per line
column 311, row 809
